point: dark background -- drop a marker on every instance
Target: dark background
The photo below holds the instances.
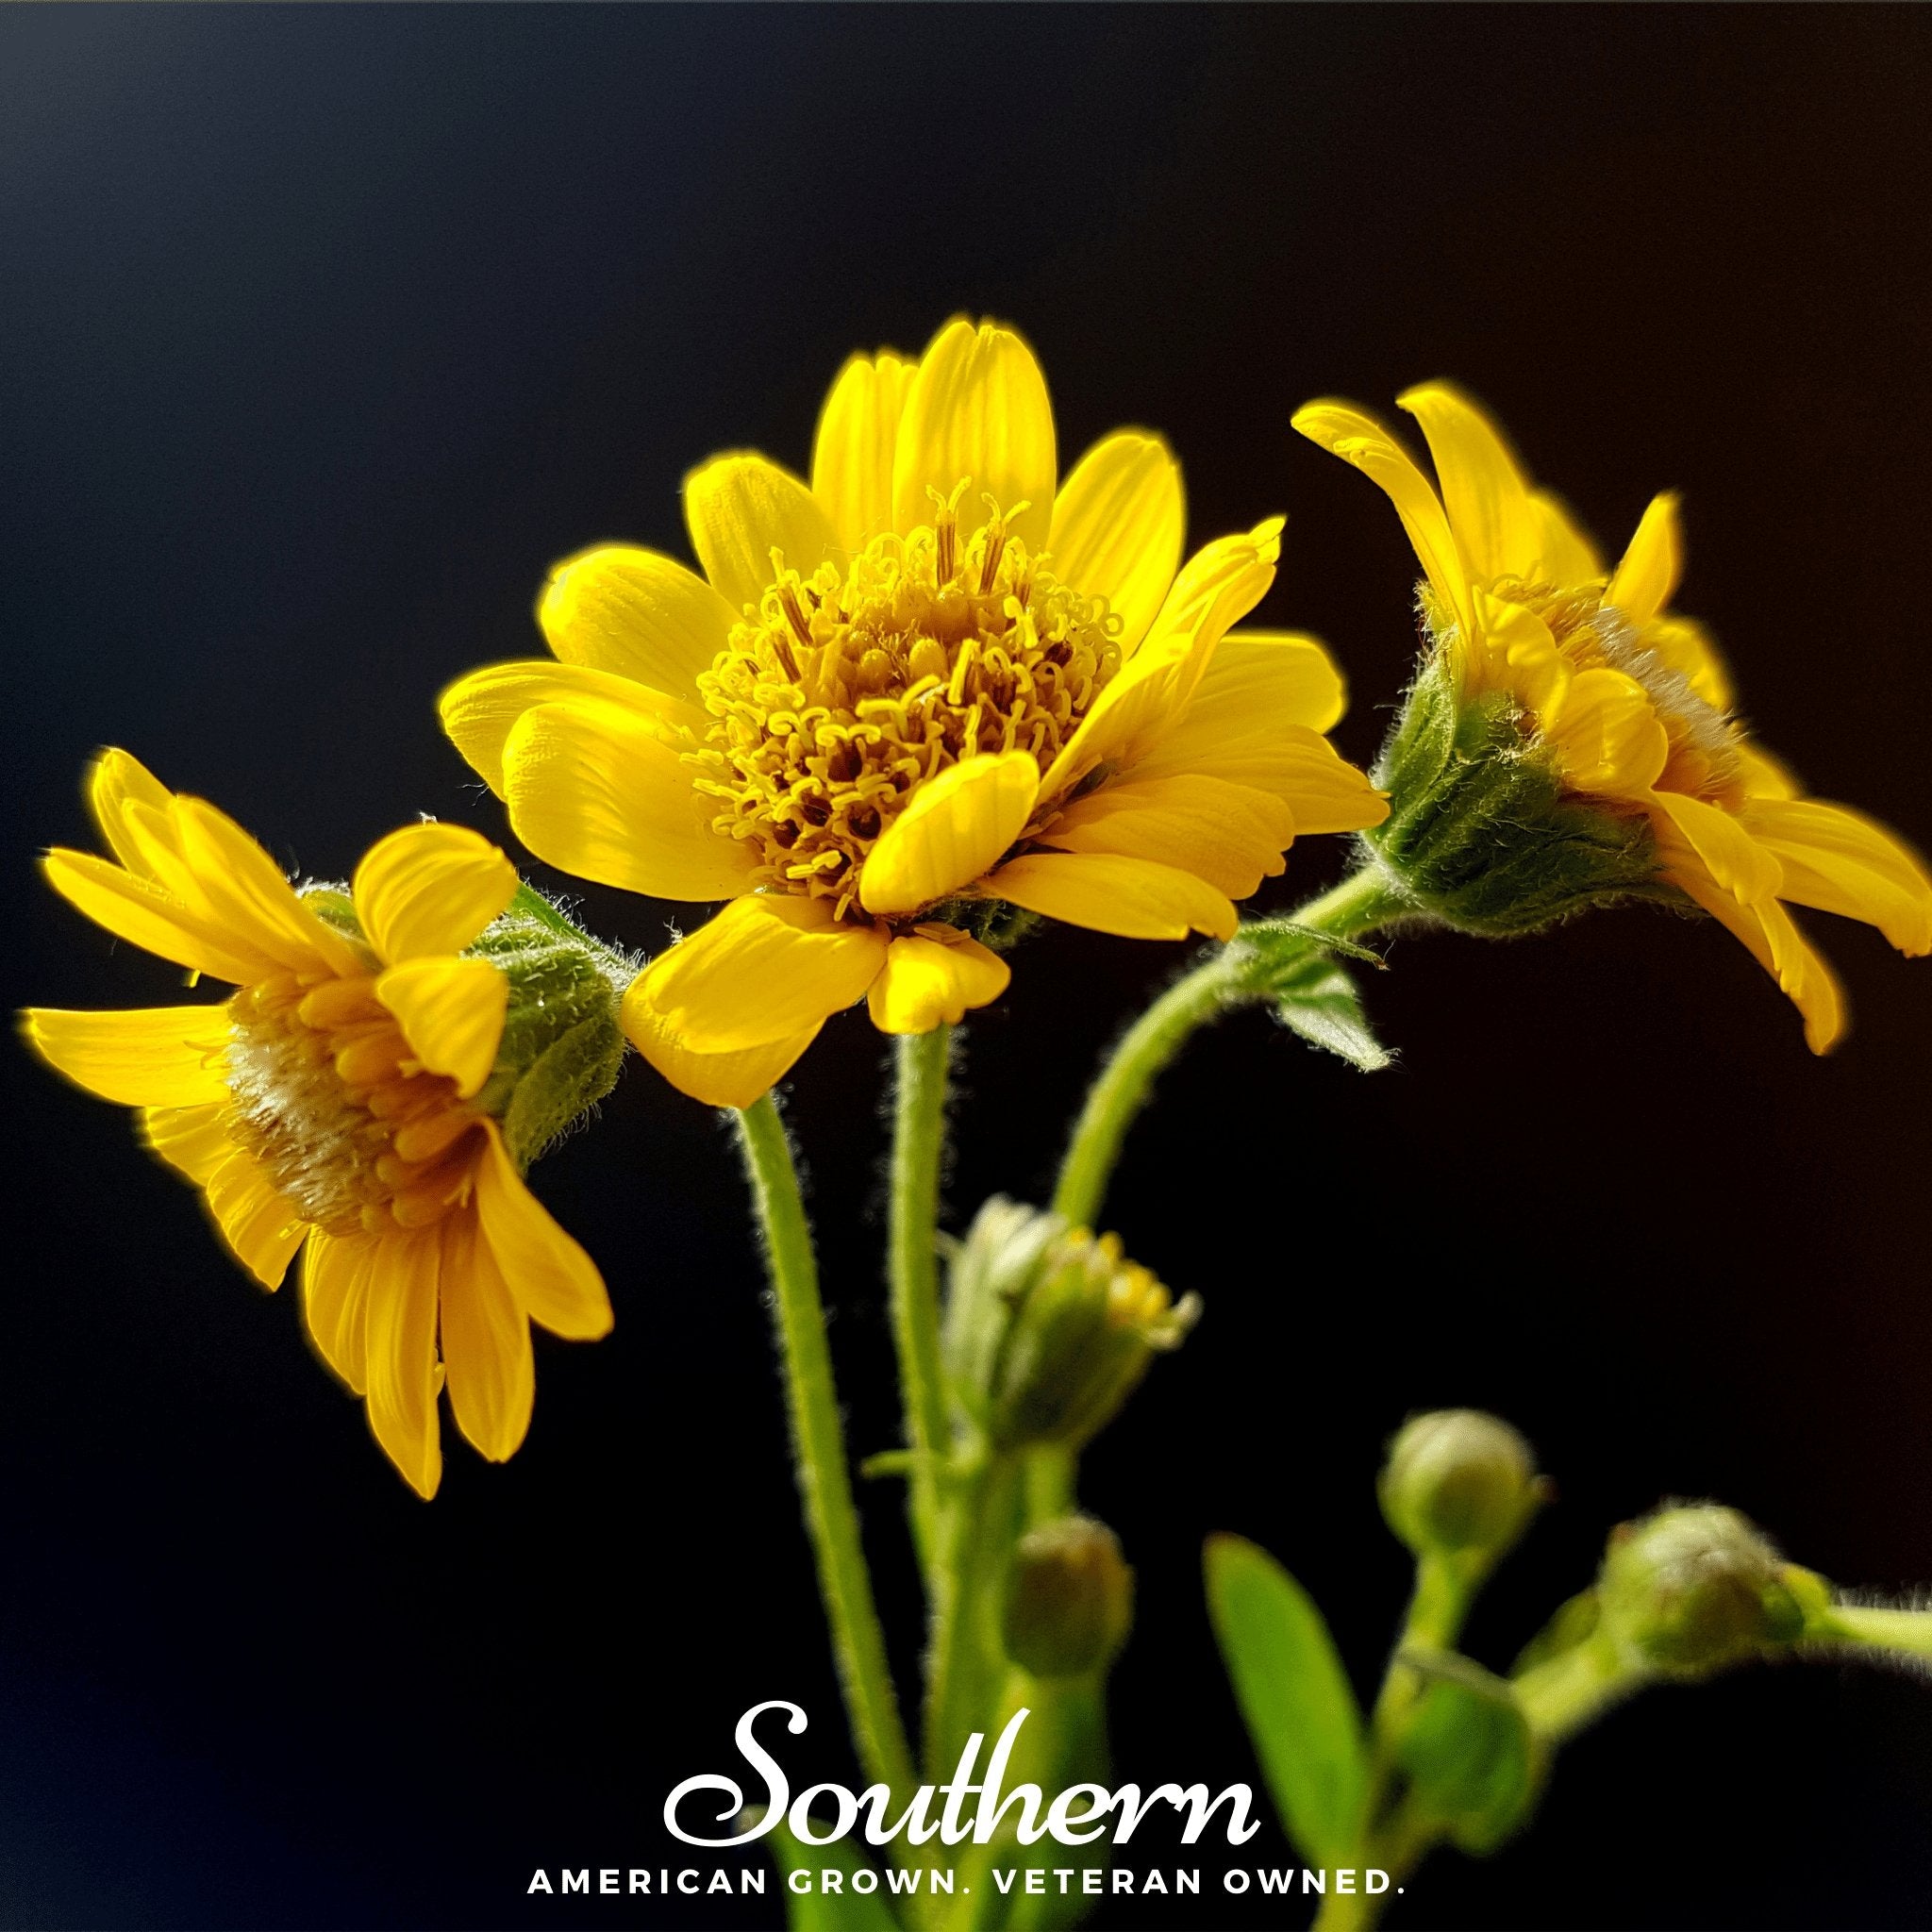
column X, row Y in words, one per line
column 322, row 333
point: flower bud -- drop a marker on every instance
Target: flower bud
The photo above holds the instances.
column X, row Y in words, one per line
column 1696, row 1587
column 1050, row 1327
column 1481, row 832
column 1458, row 1483
column 1070, row 1599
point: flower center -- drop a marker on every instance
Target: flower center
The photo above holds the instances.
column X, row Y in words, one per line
column 853, row 686
column 351, row 1128
column 1703, row 760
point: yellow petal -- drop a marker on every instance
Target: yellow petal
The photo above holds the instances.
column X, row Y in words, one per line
column 1118, row 526
column 143, row 913
column 955, row 828
column 1564, row 552
column 1687, row 648
column 1222, row 583
column 154, row 1057
column 1648, row 574
column 1230, row 834
column 931, row 977
column 193, row 1140
column 1497, row 530
column 1777, row 945
column 596, row 790
column 400, row 1363
column 1734, row 861
column 717, row 1080
column 430, row 889
column 852, row 453
column 977, row 409
column 769, row 968
column 250, row 894
column 114, row 780
column 262, row 1227
column 451, row 1011
column 1509, row 648
column 1358, row 439
column 486, row 1345
column 480, row 710
column 1607, row 734
column 636, row 615
column 1322, row 791
column 1765, row 776
column 1131, row 897
column 739, row 509
column 1281, row 676
column 1841, row 862
column 336, row 1274
column 555, row 1283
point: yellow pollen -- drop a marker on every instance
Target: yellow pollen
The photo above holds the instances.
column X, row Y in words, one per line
column 852, row 685
column 352, row 1130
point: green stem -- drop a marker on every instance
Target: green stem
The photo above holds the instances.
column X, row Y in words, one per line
column 1908, row 1633
column 917, row 1146
column 966, row 1662
column 1224, row 979
column 1573, row 1689
column 817, row 1443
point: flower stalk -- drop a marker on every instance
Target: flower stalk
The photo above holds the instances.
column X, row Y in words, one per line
column 818, row 1439
column 918, row 1152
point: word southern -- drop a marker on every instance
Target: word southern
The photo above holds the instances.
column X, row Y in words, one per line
column 1077, row 1816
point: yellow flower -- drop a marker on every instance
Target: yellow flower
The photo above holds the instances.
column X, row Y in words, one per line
column 1630, row 702
column 937, row 674
column 336, row 1101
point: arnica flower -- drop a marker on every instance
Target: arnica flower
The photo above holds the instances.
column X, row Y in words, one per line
column 355, row 1097
column 935, row 678
column 1595, row 682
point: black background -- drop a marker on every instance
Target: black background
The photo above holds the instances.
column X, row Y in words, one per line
column 323, row 332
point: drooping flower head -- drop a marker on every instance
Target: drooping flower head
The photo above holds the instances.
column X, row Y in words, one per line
column 933, row 680
column 1547, row 670
column 389, row 1061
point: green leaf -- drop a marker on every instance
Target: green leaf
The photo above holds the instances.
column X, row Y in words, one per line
column 1468, row 1752
column 1326, row 1011
column 1300, row 1712
column 818, row 1911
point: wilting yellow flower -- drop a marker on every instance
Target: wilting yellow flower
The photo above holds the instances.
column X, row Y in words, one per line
column 1630, row 702
column 336, row 1102
column 937, row 674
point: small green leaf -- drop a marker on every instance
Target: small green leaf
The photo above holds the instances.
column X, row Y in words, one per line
column 1293, row 1695
column 1265, row 932
column 1326, row 1011
column 818, row 1911
column 1468, row 1752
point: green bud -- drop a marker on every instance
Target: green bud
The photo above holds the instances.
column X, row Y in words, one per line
column 561, row 1044
column 1696, row 1587
column 1049, row 1327
column 1460, row 1483
column 1070, row 1599
column 1480, row 832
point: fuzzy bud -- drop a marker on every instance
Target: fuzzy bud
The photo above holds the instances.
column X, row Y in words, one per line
column 1049, row 1327
column 1696, row 1587
column 1070, row 1599
column 1480, row 831
column 1460, row 1483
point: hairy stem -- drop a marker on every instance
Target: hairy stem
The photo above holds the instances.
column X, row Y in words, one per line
column 918, row 1147
column 817, row 1443
column 1225, row 978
